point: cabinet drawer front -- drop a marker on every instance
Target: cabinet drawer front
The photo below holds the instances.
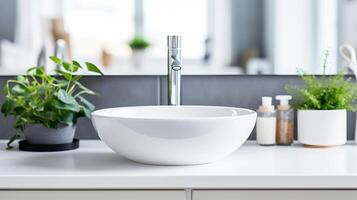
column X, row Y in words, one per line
column 94, row 195
column 274, row 195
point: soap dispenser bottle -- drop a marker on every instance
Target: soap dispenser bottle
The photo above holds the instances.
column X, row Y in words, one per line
column 285, row 121
column 266, row 123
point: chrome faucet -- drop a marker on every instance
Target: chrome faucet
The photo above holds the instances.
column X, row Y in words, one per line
column 174, row 69
column 61, row 50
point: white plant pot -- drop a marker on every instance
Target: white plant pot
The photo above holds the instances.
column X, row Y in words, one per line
column 322, row 128
column 138, row 57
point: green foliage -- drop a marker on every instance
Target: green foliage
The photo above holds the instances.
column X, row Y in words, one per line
column 39, row 98
column 138, row 43
column 325, row 93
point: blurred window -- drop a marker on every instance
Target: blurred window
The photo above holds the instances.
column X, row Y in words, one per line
column 185, row 17
column 97, row 24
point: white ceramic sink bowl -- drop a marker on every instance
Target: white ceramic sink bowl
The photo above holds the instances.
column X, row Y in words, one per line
column 174, row 135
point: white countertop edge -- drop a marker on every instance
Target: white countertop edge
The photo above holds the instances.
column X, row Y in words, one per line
column 179, row 182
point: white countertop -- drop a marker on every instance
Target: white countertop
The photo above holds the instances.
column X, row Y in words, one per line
column 94, row 165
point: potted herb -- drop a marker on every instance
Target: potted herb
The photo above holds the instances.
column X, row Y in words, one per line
column 46, row 108
column 138, row 46
column 322, row 106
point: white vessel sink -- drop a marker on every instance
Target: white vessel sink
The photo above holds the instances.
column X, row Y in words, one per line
column 174, row 135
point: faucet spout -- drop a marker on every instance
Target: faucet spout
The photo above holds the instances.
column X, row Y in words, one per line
column 174, row 65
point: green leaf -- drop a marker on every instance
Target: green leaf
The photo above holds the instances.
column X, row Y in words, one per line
column 74, row 67
column 76, row 64
column 76, row 78
column 84, row 89
column 86, row 112
column 63, row 106
column 56, row 60
column 18, row 110
column 66, row 75
column 49, row 79
column 67, row 117
column 22, row 79
column 86, row 103
column 8, row 106
column 36, row 71
column 92, row 68
column 48, row 115
column 68, row 66
column 65, row 97
column 31, row 71
column 18, row 89
column 5, row 90
column 138, row 43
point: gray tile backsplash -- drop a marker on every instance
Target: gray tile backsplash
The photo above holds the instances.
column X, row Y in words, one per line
column 218, row 90
column 114, row 91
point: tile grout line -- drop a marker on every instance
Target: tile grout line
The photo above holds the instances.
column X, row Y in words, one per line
column 159, row 90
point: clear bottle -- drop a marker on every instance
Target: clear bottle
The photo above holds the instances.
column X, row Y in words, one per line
column 266, row 123
column 285, row 121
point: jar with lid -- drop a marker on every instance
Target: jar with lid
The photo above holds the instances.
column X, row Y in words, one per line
column 266, row 123
column 285, row 121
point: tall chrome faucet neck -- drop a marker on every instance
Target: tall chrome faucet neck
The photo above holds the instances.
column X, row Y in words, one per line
column 174, row 65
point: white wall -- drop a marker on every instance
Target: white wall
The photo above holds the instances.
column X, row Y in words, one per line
column 297, row 33
column 220, row 31
column 327, row 34
column 349, row 22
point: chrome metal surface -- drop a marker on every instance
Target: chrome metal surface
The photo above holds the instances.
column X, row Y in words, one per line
column 61, row 50
column 42, row 56
column 174, row 64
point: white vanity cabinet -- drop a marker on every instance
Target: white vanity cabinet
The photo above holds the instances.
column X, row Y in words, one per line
column 93, row 194
column 274, row 194
column 178, row 194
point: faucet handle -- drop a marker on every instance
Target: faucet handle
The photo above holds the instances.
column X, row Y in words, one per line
column 176, row 63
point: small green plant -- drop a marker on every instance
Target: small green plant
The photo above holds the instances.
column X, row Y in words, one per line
column 325, row 92
column 138, row 43
column 39, row 98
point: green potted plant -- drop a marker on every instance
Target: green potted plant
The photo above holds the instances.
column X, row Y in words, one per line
column 322, row 105
column 138, row 47
column 46, row 108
